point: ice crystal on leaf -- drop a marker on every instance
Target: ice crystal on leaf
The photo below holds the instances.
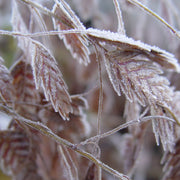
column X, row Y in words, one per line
column 48, row 76
column 126, row 44
column 134, row 68
column 76, row 43
column 163, row 129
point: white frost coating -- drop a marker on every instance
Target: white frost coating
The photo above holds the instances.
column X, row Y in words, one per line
column 49, row 77
column 33, row 57
column 69, row 13
column 76, row 23
column 112, row 36
column 116, row 37
column 112, row 77
column 154, row 126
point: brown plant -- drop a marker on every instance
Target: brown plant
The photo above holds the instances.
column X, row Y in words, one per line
column 69, row 119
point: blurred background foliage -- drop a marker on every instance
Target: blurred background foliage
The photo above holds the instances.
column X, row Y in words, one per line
column 4, row 177
column 7, row 43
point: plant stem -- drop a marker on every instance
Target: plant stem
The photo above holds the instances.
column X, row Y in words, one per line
column 121, row 28
column 146, row 9
column 46, row 131
column 125, row 125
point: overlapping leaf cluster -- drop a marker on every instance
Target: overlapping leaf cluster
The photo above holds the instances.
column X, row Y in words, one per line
column 34, row 89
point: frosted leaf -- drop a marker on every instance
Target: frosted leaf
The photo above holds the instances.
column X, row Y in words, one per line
column 163, row 129
column 48, row 76
column 24, row 85
column 6, row 88
column 124, row 43
column 136, row 77
column 13, row 148
column 134, row 67
column 76, row 43
column 78, row 126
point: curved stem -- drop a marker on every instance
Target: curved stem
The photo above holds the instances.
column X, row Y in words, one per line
column 125, row 125
column 121, row 28
column 146, row 9
column 46, row 131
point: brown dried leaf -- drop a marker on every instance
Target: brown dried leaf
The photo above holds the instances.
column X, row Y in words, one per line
column 6, row 89
column 76, row 129
column 48, row 76
column 24, row 85
column 134, row 68
column 17, row 156
column 131, row 67
column 63, row 162
column 172, row 164
column 137, row 77
column 163, row 129
column 76, row 43
column 129, row 46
